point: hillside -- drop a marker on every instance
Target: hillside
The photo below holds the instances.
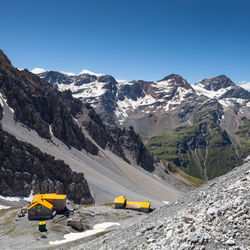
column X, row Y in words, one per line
column 215, row 216
column 190, row 127
column 47, row 125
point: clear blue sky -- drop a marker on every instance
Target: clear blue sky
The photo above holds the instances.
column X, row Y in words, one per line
column 130, row 39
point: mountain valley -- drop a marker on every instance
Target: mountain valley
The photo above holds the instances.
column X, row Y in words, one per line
column 186, row 126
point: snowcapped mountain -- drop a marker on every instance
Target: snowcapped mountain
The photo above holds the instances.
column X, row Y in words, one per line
column 225, row 91
column 186, row 125
column 150, row 107
column 48, row 139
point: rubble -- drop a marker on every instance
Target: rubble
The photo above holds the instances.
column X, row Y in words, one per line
column 215, row 216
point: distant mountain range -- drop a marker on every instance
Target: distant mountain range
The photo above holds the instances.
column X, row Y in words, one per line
column 203, row 129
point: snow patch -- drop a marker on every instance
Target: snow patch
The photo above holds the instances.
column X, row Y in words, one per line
column 88, row 90
column 200, row 90
column 121, row 81
column 11, row 109
column 18, row 198
column 127, row 104
column 4, row 207
column 166, row 202
column 163, row 84
column 68, row 73
column 3, row 100
column 38, row 71
column 50, row 130
column 98, row 228
column 228, row 102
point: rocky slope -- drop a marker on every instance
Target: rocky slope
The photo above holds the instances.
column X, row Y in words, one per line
column 185, row 125
column 215, row 216
column 48, row 111
column 61, row 120
column 123, row 142
column 25, row 169
column 39, row 106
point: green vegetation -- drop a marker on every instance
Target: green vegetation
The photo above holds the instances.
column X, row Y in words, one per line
column 244, row 136
column 4, row 211
column 9, row 231
column 10, row 219
column 194, row 180
column 202, row 150
column 89, row 205
column 109, row 204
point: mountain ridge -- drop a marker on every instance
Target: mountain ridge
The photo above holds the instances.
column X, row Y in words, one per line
column 156, row 108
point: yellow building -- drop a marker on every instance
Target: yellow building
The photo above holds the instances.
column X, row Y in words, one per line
column 44, row 205
column 121, row 202
column 40, row 210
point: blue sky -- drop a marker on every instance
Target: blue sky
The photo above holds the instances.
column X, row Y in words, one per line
column 132, row 39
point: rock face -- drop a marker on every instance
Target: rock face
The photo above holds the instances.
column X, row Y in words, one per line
column 24, row 168
column 123, row 142
column 215, row 216
column 188, row 126
column 40, row 107
column 203, row 149
column 217, row 83
column 52, row 113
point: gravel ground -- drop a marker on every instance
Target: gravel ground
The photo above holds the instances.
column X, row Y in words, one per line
column 20, row 233
column 215, row 216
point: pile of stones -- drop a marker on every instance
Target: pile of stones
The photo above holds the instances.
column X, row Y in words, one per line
column 215, row 216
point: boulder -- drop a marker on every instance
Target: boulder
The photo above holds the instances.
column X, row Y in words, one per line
column 75, row 222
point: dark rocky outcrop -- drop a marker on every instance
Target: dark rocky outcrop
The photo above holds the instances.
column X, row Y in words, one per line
column 1, row 111
column 24, row 168
column 217, row 83
column 236, row 92
column 119, row 141
column 202, row 149
column 40, row 106
column 177, row 80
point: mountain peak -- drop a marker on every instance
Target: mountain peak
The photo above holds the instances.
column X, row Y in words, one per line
column 178, row 80
column 172, row 76
column 217, row 83
column 4, row 61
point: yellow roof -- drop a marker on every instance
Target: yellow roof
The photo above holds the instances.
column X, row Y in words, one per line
column 43, row 203
column 140, row 203
column 120, row 199
column 54, row 196
column 37, row 197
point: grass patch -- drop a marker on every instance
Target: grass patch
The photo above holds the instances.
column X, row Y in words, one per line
column 202, row 150
column 109, row 204
column 10, row 219
column 80, row 205
column 194, row 180
column 243, row 134
column 9, row 232
column 89, row 205
column 57, row 228
column 4, row 211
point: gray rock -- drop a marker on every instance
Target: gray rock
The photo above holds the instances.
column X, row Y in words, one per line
column 193, row 238
column 75, row 223
column 230, row 242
